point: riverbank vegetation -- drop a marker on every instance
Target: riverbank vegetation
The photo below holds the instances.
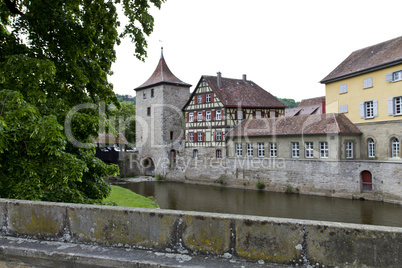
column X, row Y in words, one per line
column 126, row 198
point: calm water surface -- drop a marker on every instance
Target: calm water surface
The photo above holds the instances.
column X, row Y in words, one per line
column 190, row 197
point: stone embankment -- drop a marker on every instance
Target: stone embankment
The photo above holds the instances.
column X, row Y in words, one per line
column 254, row 239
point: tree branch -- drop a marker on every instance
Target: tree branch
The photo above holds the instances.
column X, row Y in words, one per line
column 13, row 9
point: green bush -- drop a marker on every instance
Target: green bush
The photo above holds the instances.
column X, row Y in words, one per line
column 159, row 177
column 260, row 185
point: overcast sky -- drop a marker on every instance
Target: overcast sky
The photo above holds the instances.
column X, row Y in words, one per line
column 286, row 47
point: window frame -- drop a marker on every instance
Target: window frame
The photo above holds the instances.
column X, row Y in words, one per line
column 273, row 149
column 218, row 154
column 239, row 150
column 152, row 93
column 324, row 149
column 261, row 149
column 395, row 148
column 399, row 73
column 148, row 111
column 208, row 98
column 370, row 148
column 239, row 115
column 295, row 149
column 144, row 94
column 218, row 136
column 199, row 116
column 208, row 116
column 199, row 99
column 195, row 154
column 397, row 105
column 218, row 115
column 190, row 117
column 199, row 136
column 309, row 150
column 250, row 150
column 349, row 150
column 369, row 109
column 191, row 136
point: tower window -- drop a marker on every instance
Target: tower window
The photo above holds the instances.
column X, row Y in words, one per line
column 149, row 111
column 152, row 92
column 171, row 135
column 144, row 94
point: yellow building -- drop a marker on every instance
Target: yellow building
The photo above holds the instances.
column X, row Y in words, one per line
column 367, row 88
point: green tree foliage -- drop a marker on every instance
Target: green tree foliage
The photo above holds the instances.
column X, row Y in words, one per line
column 123, row 120
column 290, row 103
column 55, row 55
column 125, row 98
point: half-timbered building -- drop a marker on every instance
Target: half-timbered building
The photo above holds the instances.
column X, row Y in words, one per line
column 218, row 104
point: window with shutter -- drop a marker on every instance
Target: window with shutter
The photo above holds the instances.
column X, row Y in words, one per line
column 343, row 108
column 368, row 82
column 343, row 88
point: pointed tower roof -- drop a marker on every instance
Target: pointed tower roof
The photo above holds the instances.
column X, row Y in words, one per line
column 162, row 75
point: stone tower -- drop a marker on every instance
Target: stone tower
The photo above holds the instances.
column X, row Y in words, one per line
column 159, row 119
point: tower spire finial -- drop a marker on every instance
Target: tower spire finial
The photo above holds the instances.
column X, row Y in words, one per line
column 160, row 41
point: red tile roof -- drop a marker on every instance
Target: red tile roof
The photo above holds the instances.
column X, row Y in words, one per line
column 376, row 57
column 237, row 92
column 298, row 125
column 162, row 75
column 307, row 107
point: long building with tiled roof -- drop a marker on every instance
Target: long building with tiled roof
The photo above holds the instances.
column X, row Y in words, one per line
column 302, row 125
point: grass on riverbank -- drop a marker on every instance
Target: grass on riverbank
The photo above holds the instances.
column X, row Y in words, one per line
column 126, row 198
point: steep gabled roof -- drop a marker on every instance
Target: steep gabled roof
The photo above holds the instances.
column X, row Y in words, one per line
column 298, row 125
column 162, row 75
column 237, row 92
column 380, row 56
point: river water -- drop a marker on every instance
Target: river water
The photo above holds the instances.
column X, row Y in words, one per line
column 190, row 197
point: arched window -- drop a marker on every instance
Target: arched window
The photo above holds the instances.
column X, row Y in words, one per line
column 371, row 148
column 395, row 147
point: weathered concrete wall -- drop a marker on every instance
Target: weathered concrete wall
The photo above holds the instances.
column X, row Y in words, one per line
column 256, row 238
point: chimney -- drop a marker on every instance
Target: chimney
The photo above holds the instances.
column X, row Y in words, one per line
column 244, row 78
column 219, row 79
